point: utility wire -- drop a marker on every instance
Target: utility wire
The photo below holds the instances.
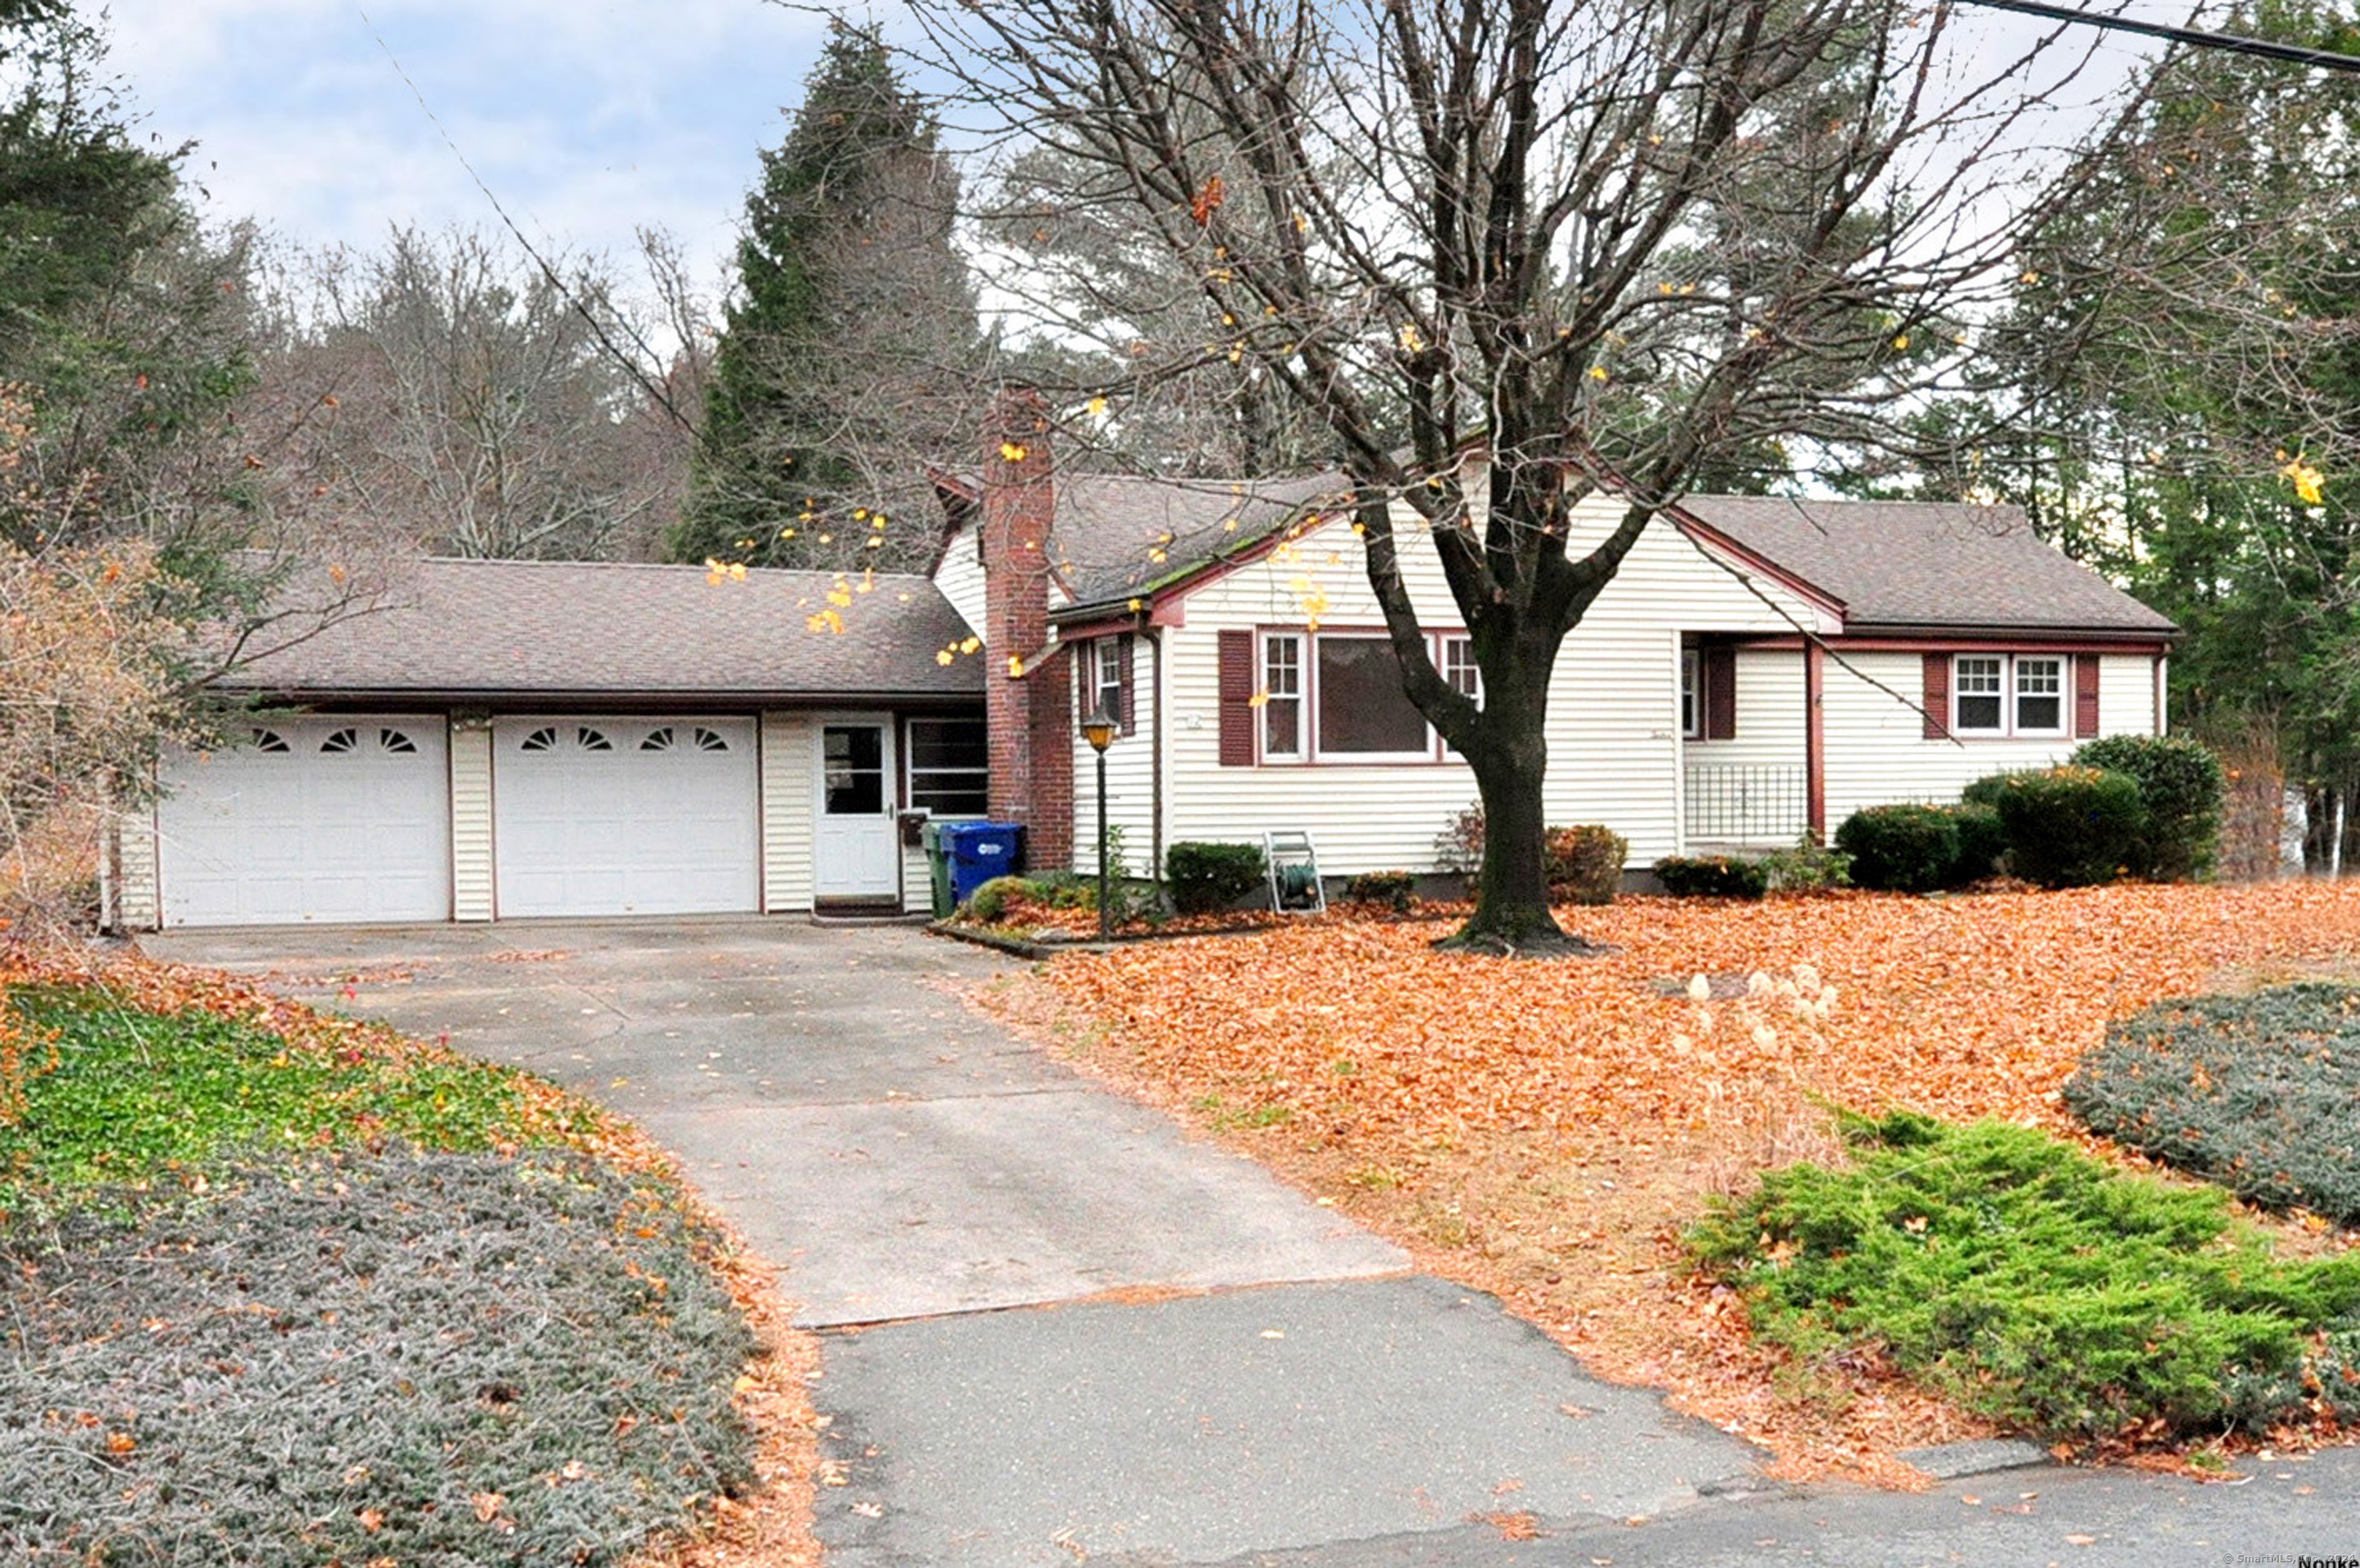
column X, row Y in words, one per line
column 2197, row 38
column 635, row 368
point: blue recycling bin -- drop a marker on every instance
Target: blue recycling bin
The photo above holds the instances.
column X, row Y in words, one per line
column 979, row 851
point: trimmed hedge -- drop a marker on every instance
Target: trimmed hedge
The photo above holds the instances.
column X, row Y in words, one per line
column 1901, row 849
column 2260, row 1094
column 1585, row 863
column 1712, row 876
column 2038, row 1286
column 1207, row 878
column 2183, row 787
column 1982, row 842
column 2071, row 827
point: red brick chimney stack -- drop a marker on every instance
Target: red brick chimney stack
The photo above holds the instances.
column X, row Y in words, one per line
column 1026, row 705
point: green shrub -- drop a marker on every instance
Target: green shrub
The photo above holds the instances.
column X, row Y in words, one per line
column 987, row 905
column 1585, row 863
column 1901, row 849
column 2071, row 827
column 1712, row 876
column 1807, row 867
column 2032, row 1283
column 2260, row 1094
column 1207, row 877
column 1394, row 889
column 2183, row 785
column 1987, row 789
column 1982, row 842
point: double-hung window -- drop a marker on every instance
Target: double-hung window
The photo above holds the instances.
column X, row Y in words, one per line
column 1338, row 697
column 1691, row 693
column 1106, row 676
column 2007, row 694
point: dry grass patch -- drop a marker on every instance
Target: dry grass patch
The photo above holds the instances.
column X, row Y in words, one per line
column 1545, row 1130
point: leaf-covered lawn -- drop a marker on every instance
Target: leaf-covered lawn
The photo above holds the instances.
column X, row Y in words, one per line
column 1545, row 1129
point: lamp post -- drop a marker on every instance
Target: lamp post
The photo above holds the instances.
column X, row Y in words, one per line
column 1100, row 729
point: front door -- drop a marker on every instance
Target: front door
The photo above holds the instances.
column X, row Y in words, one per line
column 859, row 852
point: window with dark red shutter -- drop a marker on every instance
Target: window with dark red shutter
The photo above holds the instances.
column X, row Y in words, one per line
column 1127, row 709
column 1236, row 695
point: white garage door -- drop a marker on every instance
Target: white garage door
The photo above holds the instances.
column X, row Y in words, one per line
column 343, row 819
column 627, row 816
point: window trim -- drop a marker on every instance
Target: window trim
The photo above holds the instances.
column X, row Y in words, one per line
column 1309, row 753
column 2063, row 696
column 2011, row 695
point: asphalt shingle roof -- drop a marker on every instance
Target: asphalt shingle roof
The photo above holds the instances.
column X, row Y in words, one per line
column 1112, row 529
column 598, row 628
column 1933, row 564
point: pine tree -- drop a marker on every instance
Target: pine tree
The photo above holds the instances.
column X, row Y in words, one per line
column 845, row 362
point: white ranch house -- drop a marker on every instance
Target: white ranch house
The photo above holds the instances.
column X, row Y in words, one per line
column 502, row 739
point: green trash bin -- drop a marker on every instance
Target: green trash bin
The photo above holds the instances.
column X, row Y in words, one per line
column 938, row 861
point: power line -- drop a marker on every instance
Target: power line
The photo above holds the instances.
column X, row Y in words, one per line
column 2198, row 37
column 633, row 367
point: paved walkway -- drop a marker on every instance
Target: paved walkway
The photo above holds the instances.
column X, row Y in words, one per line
column 1057, row 1327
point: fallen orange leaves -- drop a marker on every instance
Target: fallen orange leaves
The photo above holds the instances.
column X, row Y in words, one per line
column 1545, row 1129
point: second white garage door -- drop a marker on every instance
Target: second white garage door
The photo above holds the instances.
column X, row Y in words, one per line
column 626, row 816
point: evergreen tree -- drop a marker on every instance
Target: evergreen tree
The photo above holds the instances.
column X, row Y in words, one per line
column 844, row 365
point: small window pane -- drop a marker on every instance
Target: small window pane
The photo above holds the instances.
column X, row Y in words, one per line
column 855, row 763
column 593, row 740
column 341, row 740
column 1459, row 666
column 270, row 741
column 1977, row 685
column 543, row 739
column 657, row 740
column 1282, row 686
column 398, row 743
column 710, row 740
column 2040, row 693
column 1362, row 708
column 1691, row 709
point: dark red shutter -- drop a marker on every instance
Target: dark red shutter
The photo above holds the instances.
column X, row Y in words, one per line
column 1237, row 690
column 1085, row 684
column 2085, row 696
column 1938, row 696
column 1127, row 669
column 1721, row 693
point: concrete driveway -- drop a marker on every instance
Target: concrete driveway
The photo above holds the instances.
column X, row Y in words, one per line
column 1056, row 1326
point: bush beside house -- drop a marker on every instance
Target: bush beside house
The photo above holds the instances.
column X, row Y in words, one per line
column 1206, row 879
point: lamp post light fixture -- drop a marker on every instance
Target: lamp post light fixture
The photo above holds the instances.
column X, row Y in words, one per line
column 1100, row 729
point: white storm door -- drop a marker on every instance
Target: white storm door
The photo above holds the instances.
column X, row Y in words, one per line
column 623, row 816
column 323, row 820
column 857, row 852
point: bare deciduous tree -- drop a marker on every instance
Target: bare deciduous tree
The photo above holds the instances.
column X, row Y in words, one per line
column 1610, row 244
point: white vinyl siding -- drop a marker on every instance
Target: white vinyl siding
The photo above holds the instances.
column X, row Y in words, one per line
column 1614, row 729
column 960, row 577
column 470, row 820
column 1131, row 771
column 1878, row 753
column 787, row 788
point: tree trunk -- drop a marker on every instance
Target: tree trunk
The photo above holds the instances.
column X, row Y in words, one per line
column 1512, row 903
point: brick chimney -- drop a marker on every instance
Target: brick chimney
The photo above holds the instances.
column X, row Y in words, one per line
column 1027, row 713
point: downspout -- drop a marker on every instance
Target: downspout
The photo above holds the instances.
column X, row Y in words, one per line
column 1155, row 638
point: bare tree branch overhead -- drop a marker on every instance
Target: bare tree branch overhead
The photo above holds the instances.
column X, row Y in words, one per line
column 1506, row 257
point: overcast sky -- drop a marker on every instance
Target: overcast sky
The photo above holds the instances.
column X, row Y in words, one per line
column 585, row 116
